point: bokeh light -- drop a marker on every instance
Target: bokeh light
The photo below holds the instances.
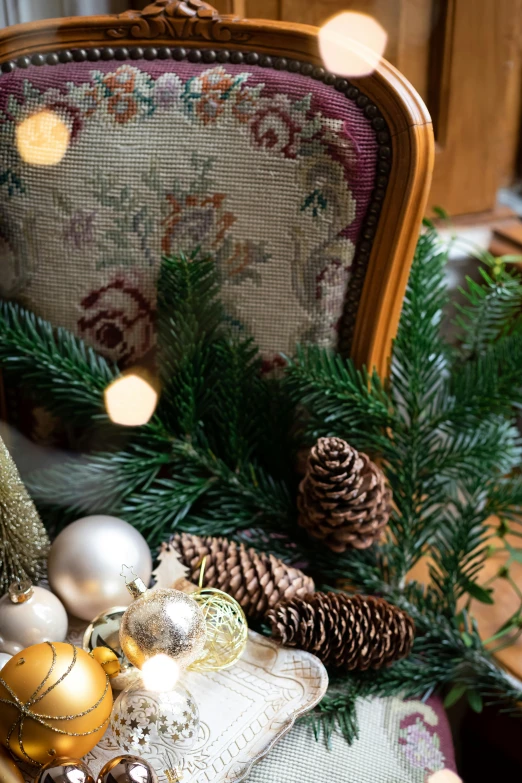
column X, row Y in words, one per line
column 160, row 673
column 352, row 44
column 42, row 139
column 130, row 400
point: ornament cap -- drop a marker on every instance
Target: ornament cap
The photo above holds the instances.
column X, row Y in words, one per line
column 134, row 584
column 20, row 592
column 136, row 588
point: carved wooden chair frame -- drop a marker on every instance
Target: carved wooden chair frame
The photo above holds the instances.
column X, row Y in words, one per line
column 194, row 30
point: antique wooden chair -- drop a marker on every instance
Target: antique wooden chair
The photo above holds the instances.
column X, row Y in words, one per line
column 185, row 128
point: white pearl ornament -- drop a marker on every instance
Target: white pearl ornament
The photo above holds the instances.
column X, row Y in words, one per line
column 30, row 615
column 85, row 563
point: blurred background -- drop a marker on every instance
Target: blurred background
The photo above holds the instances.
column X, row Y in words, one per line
column 463, row 56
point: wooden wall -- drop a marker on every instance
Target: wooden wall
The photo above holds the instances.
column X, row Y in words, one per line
column 464, row 58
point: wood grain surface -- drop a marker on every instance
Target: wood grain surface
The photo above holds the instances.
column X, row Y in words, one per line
column 491, row 617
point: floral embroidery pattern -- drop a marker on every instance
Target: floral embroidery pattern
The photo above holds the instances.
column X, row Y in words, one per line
column 254, row 176
column 421, row 747
column 118, row 321
column 206, row 95
column 193, row 219
column 79, row 230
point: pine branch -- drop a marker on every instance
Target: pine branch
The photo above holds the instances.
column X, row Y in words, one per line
column 459, row 549
column 340, row 399
column 237, row 405
column 505, row 498
column 190, row 317
column 99, row 482
column 490, row 310
column 420, row 356
column 68, row 377
column 491, row 382
column 200, row 493
column 492, row 446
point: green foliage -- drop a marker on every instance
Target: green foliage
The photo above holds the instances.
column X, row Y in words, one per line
column 217, row 458
column 452, row 443
column 201, row 462
column 69, row 376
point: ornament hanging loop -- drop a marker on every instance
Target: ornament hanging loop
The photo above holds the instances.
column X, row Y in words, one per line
column 202, row 571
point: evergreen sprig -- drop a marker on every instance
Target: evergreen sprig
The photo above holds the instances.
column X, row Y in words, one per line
column 452, row 440
column 200, row 463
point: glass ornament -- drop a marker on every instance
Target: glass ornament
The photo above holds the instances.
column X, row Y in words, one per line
column 156, row 723
column 65, row 770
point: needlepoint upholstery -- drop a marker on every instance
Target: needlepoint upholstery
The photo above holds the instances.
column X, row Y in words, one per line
column 269, row 171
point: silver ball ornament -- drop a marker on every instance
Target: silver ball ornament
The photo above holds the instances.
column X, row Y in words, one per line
column 162, row 622
column 127, row 769
column 85, row 564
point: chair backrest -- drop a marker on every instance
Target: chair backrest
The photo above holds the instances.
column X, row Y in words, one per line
column 122, row 138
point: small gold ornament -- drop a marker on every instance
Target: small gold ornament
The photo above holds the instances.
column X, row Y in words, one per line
column 108, row 660
column 104, row 631
column 226, row 624
column 9, row 772
column 127, row 769
column 65, row 770
column 55, row 700
column 161, row 622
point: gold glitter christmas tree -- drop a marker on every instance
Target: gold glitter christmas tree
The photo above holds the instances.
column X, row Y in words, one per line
column 24, row 543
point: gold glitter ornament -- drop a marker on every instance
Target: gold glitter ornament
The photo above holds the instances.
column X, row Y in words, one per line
column 161, row 622
column 55, row 700
column 24, row 544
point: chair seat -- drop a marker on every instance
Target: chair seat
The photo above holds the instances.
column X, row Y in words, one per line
column 399, row 742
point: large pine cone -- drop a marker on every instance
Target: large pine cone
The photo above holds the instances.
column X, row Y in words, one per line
column 256, row 580
column 343, row 498
column 344, row 631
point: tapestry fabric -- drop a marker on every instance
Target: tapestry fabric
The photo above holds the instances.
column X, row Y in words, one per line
column 399, row 742
column 271, row 172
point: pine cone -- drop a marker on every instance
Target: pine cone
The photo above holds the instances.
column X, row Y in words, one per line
column 256, row 580
column 344, row 631
column 343, row 498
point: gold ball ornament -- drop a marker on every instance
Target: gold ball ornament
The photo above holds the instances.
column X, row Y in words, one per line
column 105, row 631
column 108, row 660
column 65, row 770
column 55, row 700
column 9, row 772
column 227, row 630
column 161, row 622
